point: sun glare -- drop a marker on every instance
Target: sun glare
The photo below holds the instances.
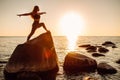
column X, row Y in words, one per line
column 72, row 25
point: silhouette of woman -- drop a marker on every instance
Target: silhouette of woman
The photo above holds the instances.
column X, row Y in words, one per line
column 35, row 14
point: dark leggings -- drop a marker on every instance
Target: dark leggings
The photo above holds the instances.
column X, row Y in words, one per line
column 34, row 27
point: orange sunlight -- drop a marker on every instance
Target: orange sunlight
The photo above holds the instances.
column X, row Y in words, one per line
column 72, row 25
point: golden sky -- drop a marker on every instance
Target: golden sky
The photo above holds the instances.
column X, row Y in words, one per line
column 100, row 17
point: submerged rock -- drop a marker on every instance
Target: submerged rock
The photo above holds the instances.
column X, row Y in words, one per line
column 37, row 58
column 104, row 68
column 75, row 62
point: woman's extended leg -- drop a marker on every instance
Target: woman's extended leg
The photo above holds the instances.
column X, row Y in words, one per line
column 31, row 33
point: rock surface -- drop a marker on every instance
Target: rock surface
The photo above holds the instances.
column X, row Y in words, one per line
column 75, row 62
column 104, row 68
column 33, row 57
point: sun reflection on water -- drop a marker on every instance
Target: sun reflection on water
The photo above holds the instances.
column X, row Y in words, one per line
column 72, row 25
column 71, row 42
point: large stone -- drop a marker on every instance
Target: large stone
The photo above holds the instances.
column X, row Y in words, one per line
column 33, row 59
column 75, row 62
column 104, row 68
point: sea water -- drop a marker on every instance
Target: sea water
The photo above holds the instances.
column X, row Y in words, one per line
column 8, row 44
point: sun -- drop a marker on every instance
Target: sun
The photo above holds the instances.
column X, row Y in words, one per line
column 72, row 25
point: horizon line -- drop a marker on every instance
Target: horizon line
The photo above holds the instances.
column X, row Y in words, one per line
column 62, row 35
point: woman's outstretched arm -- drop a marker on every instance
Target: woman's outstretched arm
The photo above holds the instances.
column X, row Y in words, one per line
column 25, row 14
column 42, row 13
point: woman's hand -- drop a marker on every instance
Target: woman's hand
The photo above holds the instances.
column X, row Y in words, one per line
column 44, row 12
column 19, row 15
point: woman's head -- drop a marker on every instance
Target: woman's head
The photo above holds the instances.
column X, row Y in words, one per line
column 36, row 8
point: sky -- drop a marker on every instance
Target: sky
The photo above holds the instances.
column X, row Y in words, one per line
column 101, row 17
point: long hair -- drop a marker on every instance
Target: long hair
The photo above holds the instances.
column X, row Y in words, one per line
column 36, row 8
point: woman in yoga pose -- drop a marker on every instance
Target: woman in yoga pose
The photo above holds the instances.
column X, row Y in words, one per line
column 35, row 14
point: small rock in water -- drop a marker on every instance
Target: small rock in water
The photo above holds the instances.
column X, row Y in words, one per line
column 114, row 46
column 3, row 62
column 91, row 49
column 108, row 44
column 97, row 54
column 85, row 45
column 118, row 61
column 102, row 50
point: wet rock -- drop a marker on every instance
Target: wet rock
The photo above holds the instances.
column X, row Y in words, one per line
column 114, row 46
column 3, row 62
column 37, row 58
column 102, row 50
column 85, row 45
column 91, row 49
column 1, row 65
column 75, row 62
column 108, row 44
column 104, row 68
column 118, row 61
column 97, row 55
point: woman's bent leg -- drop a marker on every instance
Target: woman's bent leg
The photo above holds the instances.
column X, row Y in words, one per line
column 42, row 24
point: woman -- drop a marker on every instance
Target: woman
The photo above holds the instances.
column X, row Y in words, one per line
column 35, row 14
